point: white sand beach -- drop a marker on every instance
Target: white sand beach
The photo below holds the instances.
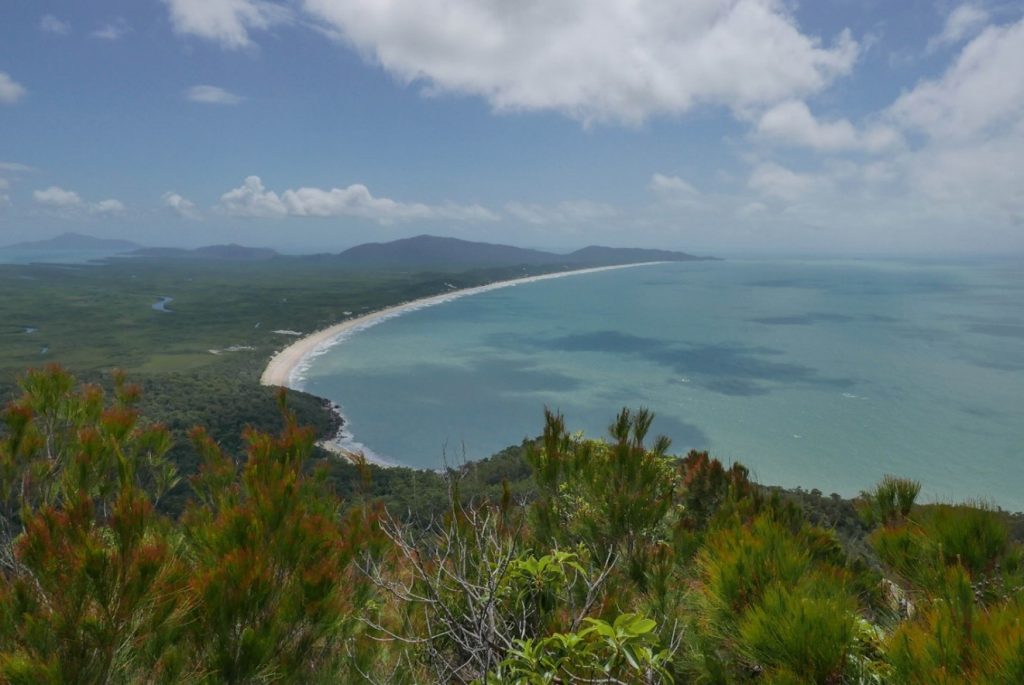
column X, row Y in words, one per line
column 285, row 367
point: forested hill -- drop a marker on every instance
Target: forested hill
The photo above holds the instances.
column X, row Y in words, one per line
column 231, row 252
column 428, row 251
column 422, row 252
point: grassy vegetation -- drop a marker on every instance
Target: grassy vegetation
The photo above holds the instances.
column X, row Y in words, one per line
column 91, row 318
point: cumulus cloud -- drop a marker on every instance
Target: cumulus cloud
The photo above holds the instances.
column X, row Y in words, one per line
column 51, row 24
column 180, row 205
column 227, row 22
column 107, row 207
column 252, row 199
column 792, row 122
column 57, row 197
column 10, row 90
column 69, row 203
column 980, row 92
column 565, row 212
column 963, row 22
column 773, row 180
column 112, row 30
column 593, row 60
column 212, row 95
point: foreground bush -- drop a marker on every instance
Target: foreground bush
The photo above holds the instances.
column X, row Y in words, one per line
column 627, row 566
column 252, row 585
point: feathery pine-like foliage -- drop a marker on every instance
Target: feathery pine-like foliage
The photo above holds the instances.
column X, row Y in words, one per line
column 253, row 585
column 627, row 566
column 271, row 562
column 92, row 578
column 891, row 500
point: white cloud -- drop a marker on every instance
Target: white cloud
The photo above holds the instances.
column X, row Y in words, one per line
column 69, row 203
column 112, row 30
column 565, row 212
column 772, row 180
column 252, row 199
column 57, row 198
column 792, row 122
column 51, row 24
column 227, row 22
column 981, row 91
column 5, row 200
column 593, row 60
column 15, row 167
column 674, row 188
column 107, row 207
column 212, row 95
column 4, row 184
column 181, row 206
column 10, row 90
column 963, row 22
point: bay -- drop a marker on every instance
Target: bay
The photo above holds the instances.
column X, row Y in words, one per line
column 820, row 374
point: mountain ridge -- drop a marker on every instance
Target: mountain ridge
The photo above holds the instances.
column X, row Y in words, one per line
column 429, row 250
column 422, row 251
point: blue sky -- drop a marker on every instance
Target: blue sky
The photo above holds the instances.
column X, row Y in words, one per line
column 834, row 126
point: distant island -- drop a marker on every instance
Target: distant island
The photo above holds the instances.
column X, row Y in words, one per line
column 76, row 241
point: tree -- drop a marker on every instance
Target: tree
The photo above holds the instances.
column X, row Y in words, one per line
column 93, row 578
column 275, row 592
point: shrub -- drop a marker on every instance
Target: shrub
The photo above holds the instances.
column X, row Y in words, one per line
column 625, row 650
column 738, row 564
column 806, row 631
column 954, row 640
column 892, row 499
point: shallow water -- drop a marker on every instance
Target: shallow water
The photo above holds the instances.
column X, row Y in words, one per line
column 820, row 374
column 161, row 304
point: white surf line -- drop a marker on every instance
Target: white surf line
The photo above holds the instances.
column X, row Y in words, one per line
column 287, row 366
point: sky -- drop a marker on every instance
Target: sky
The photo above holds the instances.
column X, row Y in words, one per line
column 723, row 126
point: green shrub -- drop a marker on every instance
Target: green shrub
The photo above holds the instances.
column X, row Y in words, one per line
column 625, row 650
column 954, row 640
column 974, row 535
column 738, row 564
column 943, row 535
column 806, row 631
column 892, row 499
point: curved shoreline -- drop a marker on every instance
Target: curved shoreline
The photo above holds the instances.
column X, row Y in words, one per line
column 285, row 367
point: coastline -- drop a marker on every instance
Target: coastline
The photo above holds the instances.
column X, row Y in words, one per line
column 285, row 368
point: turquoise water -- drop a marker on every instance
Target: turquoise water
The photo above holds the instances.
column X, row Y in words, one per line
column 820, row 374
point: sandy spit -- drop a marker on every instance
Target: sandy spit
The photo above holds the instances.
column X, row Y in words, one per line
column 286, row 366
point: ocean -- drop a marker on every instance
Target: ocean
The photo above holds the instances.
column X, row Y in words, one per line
column 819, row 374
